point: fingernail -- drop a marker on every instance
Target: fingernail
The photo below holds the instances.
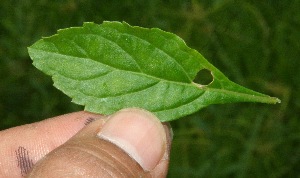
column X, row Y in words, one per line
column 139, row 133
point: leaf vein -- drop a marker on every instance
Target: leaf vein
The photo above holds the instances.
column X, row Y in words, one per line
column 114, row 95
column 121, row 94
column 177, row 105
column 163, row 51
column 131, row 56
column 87, row 78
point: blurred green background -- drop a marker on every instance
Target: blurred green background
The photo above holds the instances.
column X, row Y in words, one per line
column 255, row 43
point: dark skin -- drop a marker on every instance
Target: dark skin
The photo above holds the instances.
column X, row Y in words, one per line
column 130, row 143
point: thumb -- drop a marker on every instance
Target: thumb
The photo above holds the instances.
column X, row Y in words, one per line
column 129, row 143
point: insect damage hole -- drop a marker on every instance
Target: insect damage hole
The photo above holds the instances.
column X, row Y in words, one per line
column 204, row 77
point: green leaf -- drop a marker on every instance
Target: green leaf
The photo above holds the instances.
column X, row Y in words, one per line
column 112, row 66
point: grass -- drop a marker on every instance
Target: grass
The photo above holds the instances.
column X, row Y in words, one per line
column 255, row 43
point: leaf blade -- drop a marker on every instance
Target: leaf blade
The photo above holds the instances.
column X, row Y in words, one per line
column 112, row 66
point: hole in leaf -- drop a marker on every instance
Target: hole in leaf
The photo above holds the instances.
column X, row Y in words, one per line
column 204, row 77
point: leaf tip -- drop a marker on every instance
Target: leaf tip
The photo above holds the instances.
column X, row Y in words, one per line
column 273, row 100
column 277, row 100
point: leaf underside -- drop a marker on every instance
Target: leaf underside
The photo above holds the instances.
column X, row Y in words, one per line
column 113, row 66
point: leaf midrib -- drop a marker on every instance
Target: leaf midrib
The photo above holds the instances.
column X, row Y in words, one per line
column 265, row 98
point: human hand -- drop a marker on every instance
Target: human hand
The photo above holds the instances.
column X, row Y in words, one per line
column 129, row 143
